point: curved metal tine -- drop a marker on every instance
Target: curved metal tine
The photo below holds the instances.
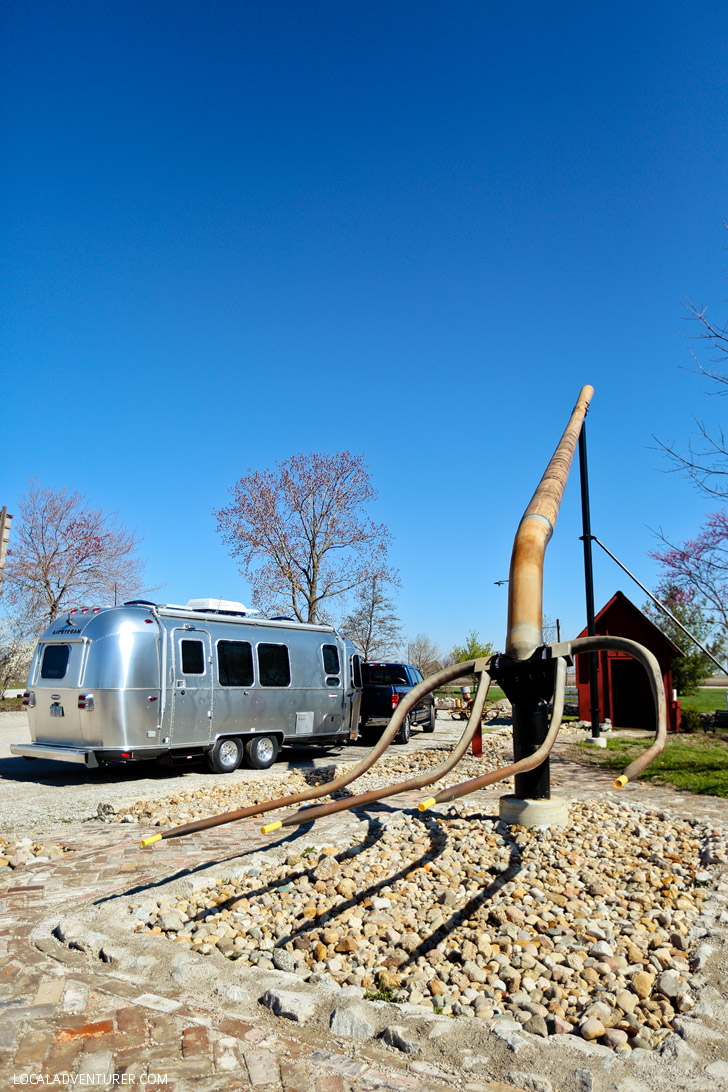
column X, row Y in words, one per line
column 649, row 662
column 524, row 764
column 314, row 791
column 309, row 815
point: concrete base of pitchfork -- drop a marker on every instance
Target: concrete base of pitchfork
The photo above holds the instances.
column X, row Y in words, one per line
column 553, row 812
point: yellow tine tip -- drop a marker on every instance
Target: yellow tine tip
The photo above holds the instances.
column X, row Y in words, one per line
column 154, row 838
column 426, row 803
column 271, row 826
column 621, row 782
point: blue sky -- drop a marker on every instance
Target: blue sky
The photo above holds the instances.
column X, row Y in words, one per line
column 236, row 231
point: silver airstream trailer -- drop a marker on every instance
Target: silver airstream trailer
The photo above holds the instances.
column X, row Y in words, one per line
column 141, row 681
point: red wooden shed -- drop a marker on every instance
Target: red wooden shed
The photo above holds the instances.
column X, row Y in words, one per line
column 625, row 697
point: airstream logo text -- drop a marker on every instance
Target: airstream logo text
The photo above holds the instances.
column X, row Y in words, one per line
column 66, row 631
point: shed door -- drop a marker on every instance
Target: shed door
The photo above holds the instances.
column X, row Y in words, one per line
column 632, row 702
column 191, row 687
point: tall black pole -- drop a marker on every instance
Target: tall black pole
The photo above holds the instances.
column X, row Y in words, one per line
column 589, row 581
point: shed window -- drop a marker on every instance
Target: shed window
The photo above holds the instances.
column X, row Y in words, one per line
column 55, row 661
column 193, row 659
column 274, row 668
column 234, row 663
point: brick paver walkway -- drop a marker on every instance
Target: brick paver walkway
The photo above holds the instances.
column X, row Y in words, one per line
column 62, row 1013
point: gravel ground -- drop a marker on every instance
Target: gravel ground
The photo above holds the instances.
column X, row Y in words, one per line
column 609, row 935
column 38, row 795
column 580, row 929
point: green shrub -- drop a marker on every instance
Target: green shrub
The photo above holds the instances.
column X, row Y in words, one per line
column 690, row 720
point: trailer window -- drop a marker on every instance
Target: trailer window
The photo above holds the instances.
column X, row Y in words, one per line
column 356, row 671
column 274, row 668
column 55, row 661
column 234, row 663
column 193, row 658
column 332, row 668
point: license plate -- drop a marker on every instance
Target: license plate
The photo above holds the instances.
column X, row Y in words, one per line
column 56, row 710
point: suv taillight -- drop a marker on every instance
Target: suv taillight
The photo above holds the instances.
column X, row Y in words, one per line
column 395, row 700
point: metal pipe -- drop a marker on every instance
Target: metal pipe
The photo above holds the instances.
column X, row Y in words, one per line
column 649, row 662
column 525, row 586
column 524, row 764
column 408, row 702
column 427, row 778
column 591, row 628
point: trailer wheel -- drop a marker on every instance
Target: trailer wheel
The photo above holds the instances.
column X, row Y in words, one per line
column 261, row 752
column 430, row 726
column 225, row 756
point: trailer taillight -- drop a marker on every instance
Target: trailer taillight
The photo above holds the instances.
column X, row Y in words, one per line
column 153, row 697
column 28, row 699
column 85, row 701
column 395, row 700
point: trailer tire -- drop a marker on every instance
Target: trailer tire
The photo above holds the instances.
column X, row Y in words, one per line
column 261, row 752
column 430, row 726
column 225, row 756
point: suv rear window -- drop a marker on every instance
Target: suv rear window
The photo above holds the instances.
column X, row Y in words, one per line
column 55, row 661
column 384, row 675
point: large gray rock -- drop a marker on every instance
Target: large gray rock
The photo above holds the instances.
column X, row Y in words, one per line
column 674, row 1049
column 668, row 983
column 170, row 921
column 352, row 1021
column 232, row 992
column 284, row 961
column 400, row 1038
column 289, row 1005
column 509, row 1033
column 532, row 1082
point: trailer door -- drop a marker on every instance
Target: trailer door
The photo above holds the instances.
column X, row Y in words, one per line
column 192, row 687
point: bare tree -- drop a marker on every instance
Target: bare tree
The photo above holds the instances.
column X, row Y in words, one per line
column 302, row 533
column 15, row 655
column 705, row 461
column 424, row 654
column 551, row 629
column 64, row 552
column 373, row 626
column 698, row 568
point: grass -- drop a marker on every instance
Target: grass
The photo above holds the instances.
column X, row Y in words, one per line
column 706, row 700
column 384, row 993
column 8, row 705
column 494, row 694
column 691, row 763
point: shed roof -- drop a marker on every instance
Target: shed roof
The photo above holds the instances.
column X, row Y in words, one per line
column 619, row 603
